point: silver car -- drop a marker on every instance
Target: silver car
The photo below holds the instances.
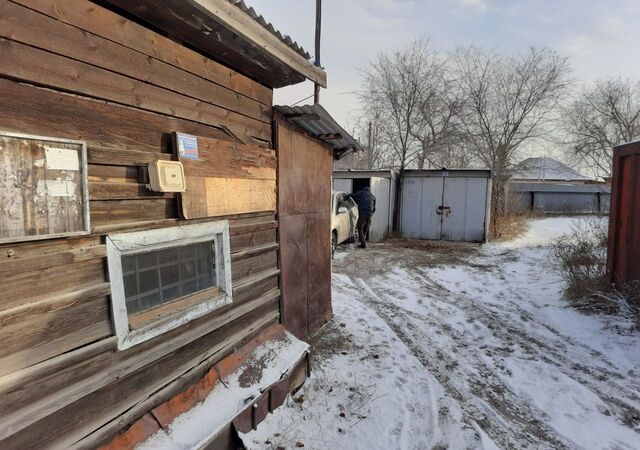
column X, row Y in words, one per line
column 344, row 218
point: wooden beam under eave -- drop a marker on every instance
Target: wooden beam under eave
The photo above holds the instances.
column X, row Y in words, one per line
column 237, row 20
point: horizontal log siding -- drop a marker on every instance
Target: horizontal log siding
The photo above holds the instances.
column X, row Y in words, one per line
column 44, row 326
column 52, row 53
column 95, row 408
column 99, row 21
column 71, row 69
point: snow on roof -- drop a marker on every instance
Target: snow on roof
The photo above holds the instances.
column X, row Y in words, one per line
column 546, row 169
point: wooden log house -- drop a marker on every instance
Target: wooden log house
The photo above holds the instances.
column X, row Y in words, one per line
column 115, row 297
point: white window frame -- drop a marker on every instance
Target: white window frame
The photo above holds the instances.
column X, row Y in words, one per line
column 130, row 243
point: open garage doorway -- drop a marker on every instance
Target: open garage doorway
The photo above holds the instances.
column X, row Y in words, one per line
column 361, row 183
column 382, row 185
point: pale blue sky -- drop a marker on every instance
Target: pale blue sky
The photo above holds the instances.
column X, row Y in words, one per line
column 601, row 37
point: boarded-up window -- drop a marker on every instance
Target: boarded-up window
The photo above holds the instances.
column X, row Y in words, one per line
column 43, row 189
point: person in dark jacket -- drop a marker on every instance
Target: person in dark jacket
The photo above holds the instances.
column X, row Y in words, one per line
column 366, row 208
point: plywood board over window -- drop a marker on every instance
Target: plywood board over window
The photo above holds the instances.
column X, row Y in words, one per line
column 43, row 189
column 226, row 178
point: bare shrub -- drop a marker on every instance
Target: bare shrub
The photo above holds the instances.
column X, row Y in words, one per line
column 631, row 292
column 580, row 258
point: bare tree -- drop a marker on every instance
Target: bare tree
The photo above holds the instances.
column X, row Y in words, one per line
column 510, row 101
column 601, row 117
column 439, row 134
column 370, row 132
column 453, row 153
column 395, row 85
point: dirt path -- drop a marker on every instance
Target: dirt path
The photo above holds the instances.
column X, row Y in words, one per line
column 479, row 321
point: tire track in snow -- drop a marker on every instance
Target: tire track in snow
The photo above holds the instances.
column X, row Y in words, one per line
column 509, row 425
column 576, row 364
column 519, row 335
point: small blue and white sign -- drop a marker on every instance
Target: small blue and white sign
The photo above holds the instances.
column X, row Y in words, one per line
column 187, row 146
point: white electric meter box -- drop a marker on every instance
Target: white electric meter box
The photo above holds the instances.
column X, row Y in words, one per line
column 167, row 176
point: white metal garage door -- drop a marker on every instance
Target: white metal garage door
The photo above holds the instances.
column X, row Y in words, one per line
column 465, row 198
column 343, row 185
column 444, row 207
column 380, row 188
column 420, row 217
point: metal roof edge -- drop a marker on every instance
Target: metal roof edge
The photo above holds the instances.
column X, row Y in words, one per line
column 317, row 122
column 290, row 54
column 560, row 188
column 363, row 173
column 477, row 173
column 285, row 38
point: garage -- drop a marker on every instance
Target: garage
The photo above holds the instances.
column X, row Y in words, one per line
column 450, row 205
column 559, row 198
column 382, row 185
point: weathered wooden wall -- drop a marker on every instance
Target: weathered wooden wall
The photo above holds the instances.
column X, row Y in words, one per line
column 229, row 178
column 305, row 166
column 72, row 69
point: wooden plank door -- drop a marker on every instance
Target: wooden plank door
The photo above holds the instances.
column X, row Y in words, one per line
column 304, row 211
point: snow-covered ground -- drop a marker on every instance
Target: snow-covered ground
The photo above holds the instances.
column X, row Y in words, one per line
column 456, row 346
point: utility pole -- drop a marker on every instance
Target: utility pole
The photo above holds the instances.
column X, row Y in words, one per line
column 316, row 86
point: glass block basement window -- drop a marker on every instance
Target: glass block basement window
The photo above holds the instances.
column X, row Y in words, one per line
column 154, row 278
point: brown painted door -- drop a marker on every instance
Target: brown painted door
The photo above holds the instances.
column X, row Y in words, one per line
column 304, row 203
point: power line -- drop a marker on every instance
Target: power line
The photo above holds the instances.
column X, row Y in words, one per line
column 300, row 101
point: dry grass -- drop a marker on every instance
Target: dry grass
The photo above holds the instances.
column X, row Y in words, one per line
column 623, row 303
column 432, row 246
column 509, row 226
column 330, row 340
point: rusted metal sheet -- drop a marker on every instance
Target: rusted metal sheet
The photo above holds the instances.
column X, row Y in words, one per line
column 260, row 408
column 243, row 360
column 624, row 228
column 140, row 431
column 319, row 270
column 278, row 394
column 166, row 412
column 293, row 269
column 304, row 203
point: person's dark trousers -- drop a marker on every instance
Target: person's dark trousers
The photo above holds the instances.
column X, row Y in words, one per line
column 364, row 223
